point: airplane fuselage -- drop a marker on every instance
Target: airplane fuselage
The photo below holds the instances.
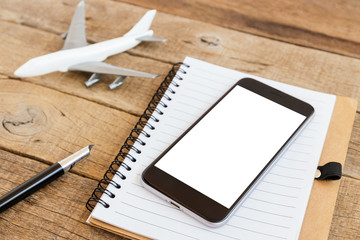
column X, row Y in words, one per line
column 64, row 59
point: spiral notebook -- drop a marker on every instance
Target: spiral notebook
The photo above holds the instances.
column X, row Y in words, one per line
column 275, row 210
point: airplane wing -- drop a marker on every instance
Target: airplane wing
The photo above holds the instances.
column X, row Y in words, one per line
column 151, row 39
column 104, row 68
column 76, row 36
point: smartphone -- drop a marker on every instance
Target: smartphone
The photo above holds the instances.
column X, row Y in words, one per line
column 210, row 169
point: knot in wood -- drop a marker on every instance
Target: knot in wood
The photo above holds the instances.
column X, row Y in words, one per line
column 210, row 40
column 27, row 121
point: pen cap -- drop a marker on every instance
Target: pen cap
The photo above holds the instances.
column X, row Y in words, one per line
column 68, row 163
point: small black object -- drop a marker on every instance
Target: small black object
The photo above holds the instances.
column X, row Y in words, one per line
column 330, row 171
column 40, row 180
column 30, row 186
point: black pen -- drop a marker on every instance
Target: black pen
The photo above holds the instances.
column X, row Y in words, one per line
column 40, row 180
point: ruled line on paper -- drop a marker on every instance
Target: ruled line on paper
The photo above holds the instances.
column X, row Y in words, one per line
column 282, row 185
column 214, row 73
column 137, row 183
column 161, row 141
column 192, row 106
column 169, row 134
column 148, row 157
column 260, row 233
column 203, row 93
column 290, row 168
column 284, row 176
column 191, row 96
column 182, row 111
column 267, row 212
column 216, row 81
column 176, row 220
column 278, row 204
column 278, row 194
column 156, row 149
column 267, row 223
column 294, row 159
column 180, row 119
column 231, row 76
column 162, row 203
column 207, row 229
column 297, row 152
column 176, row 127
column 155, row 225
column 205, row 85
column 300, row 143
column 302, row 135
column 308, row 128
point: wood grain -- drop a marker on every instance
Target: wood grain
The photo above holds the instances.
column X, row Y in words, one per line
column 346, row 218
column 352, row 164
column 57, row 211
column 329, row 25
column 48, row 125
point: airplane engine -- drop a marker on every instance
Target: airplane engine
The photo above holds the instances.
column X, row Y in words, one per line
column 117, row 82
column 95, row 77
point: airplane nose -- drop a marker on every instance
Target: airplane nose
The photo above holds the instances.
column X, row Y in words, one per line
column 20, row 72
column 37, row 66
column 24, row 71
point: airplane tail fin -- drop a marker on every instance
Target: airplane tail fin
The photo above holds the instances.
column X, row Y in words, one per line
column 143, row 25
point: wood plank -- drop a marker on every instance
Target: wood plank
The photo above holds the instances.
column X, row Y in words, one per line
column 352, row 167
column 57, row 211
column 275, row 60
column 346, row 219
column 49, row 125
column 326, row 25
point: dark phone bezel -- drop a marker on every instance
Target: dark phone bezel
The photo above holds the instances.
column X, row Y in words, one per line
column 194, row 200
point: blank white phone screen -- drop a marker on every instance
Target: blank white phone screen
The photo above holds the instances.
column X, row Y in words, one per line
column 224, row 152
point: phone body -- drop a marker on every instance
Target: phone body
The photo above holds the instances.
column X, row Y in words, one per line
column 215, row 164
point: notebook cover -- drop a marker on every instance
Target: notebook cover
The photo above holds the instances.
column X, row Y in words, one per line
column 323, row 196
column 324, row 193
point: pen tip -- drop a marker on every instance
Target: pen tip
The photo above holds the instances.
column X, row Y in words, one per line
column 90, row 147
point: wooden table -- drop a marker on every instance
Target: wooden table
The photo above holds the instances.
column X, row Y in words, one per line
column 312, row 44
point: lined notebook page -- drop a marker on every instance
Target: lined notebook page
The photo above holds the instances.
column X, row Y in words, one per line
column 274, row 210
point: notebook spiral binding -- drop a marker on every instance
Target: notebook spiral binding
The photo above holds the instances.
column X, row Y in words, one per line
column 118, row 165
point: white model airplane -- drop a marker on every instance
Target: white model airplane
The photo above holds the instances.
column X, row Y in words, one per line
column 77, row 55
